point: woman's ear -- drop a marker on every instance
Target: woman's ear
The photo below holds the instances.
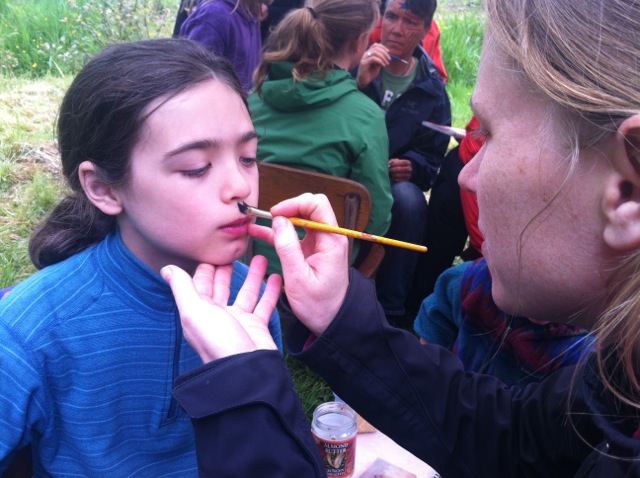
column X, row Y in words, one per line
column 102, row 195
column 426, row 32
column 630, row 130
column 360, row 43
column 622, row 192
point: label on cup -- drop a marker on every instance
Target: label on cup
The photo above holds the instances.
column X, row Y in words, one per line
column 338, row 456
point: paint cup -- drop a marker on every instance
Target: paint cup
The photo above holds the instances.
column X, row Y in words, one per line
column 334, row 427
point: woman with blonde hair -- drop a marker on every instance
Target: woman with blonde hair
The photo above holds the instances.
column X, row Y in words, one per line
column 558, row 187
column 307, row 109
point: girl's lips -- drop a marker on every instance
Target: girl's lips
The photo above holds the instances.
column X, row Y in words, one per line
column 237, row 228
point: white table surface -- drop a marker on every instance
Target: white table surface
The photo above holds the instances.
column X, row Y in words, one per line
column 370, row 446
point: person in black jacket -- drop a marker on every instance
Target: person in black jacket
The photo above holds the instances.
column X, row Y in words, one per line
column 400, row 77
column 558, row 187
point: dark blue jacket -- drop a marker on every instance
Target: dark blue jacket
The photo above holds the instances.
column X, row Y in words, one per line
column 462, row 424
column 425, row 100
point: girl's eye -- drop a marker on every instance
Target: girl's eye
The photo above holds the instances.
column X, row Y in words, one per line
column 196, row 172
column 248, row 161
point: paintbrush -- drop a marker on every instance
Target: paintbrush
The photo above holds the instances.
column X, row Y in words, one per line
column 457, row 133
column 396, row 57
column 318, row 226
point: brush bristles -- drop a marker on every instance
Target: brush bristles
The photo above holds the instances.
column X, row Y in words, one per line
column 244, row 207
column 253, row 211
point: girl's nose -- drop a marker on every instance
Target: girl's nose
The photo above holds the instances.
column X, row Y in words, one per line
column 236, row 183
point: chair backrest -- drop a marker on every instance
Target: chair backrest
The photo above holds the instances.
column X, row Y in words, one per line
column 349, row 199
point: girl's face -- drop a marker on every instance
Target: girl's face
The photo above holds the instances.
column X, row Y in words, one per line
column 195, row 160
column 542, row 224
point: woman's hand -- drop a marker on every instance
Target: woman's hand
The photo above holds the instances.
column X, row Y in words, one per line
column 215, row 329
column 316, row 269
column 374, row 59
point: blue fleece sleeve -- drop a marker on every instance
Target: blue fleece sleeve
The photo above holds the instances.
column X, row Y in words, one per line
column 438, row 320
column 23, row 408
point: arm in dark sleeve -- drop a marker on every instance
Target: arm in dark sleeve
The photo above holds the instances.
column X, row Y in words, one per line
column 460, row 423
column 429, row 147
column 248, row 419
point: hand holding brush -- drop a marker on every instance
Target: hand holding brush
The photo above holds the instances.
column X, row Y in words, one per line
column 318, row 226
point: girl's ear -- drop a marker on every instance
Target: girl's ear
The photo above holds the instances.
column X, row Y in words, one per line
column 622, row 192
column 102, row 195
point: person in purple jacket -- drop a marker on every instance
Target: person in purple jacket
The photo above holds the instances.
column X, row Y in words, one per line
column 229, row 28
column 558, row 188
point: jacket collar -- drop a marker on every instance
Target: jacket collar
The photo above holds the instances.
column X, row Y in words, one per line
column 134, row 282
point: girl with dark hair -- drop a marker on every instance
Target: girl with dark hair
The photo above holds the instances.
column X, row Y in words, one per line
column 158, row 148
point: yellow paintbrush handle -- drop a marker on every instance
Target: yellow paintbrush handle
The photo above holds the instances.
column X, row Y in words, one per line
column 318, row 226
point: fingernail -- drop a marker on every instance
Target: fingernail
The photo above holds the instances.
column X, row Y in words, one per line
column 278, row 223
column 166, row 273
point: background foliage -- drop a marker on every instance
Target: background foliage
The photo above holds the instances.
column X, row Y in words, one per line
column 40, row 37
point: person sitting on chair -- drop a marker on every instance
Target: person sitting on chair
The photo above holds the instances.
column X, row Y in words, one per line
column 308, row 111
column 401, row 78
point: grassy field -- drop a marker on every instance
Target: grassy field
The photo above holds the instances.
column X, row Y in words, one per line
column 43, row 42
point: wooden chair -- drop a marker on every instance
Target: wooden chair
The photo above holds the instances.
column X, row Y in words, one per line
column 349, row 199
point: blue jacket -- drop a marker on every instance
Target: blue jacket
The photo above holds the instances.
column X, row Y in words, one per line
column 89, row 349
column 461, row 316
column 425, row 100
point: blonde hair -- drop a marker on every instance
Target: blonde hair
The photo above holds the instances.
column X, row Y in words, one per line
column 584, row 56
column 313, row 36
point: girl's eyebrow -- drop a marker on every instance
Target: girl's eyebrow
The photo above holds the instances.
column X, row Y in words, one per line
column 248, row 136
column 201, row 144
column 208, row 144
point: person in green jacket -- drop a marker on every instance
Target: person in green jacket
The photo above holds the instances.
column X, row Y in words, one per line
column 308, row 111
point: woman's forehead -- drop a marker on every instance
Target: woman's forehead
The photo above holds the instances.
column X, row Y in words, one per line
column 503, row 91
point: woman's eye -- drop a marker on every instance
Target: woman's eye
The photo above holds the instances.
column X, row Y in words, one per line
column 196, row 172
column 248, row 161
column 480, row 134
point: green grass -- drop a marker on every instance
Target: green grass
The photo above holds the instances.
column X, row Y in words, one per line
column 35, row 32
column 30, row 183
column 461, row 33
column 311, row 388
column 40, row 37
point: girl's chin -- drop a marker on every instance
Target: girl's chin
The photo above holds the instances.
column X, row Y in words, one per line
column 223, row 254
column 232, row 252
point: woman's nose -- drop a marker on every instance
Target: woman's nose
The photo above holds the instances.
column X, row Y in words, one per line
column 468, row 177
